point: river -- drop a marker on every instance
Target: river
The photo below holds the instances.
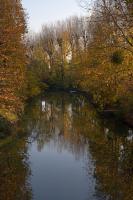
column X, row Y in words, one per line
column 63, row 150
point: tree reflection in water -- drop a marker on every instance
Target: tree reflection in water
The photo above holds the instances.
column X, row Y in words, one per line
column 71, row 123
column 15, row 171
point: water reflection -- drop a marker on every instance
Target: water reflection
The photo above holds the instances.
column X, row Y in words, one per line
column 15, row 171
column 73, row 153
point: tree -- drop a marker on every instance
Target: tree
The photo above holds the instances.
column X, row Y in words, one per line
column 12, row 56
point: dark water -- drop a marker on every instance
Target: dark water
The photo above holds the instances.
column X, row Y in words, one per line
column 62, row 150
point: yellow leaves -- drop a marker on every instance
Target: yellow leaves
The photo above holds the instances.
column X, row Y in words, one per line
column 7, row 114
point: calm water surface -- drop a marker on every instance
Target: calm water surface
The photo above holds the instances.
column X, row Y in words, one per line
column 64, row 151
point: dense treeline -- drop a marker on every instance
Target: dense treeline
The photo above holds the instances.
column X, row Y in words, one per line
column 92, row 54
column 12, row 58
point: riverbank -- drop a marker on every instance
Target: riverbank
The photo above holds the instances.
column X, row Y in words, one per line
column 110, row 111
column 6, row 126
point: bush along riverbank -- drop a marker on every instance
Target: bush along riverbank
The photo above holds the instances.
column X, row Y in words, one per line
column 116, row 112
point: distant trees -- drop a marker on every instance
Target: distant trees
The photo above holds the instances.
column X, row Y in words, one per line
column 93, row 53
column 12, row 57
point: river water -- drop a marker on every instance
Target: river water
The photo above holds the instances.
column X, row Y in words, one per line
column 63, row 150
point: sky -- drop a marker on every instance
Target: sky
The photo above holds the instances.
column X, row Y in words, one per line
column 49, row 11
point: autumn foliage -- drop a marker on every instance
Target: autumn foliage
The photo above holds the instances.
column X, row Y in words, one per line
column 93, row 54
column 12, row 57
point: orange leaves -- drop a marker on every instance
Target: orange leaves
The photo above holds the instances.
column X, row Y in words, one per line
column 12, row 54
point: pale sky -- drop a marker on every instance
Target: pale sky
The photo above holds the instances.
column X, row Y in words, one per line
column 48, row 11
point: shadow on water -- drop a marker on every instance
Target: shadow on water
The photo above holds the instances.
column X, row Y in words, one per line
column 67, row 151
